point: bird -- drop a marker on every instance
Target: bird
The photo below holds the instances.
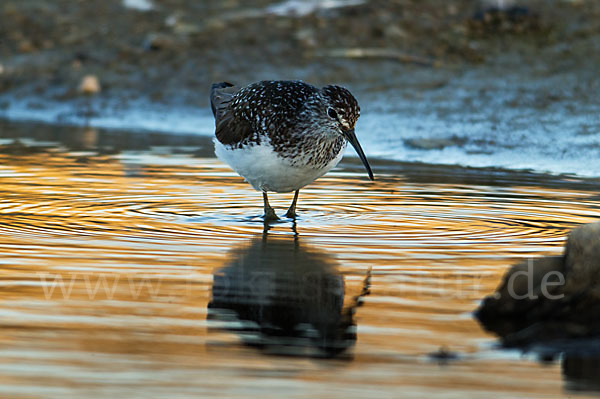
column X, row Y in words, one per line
column 281, row 135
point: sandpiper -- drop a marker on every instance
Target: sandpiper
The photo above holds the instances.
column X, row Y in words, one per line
column 282, row 135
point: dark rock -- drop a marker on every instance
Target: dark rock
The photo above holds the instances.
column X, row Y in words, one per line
column 549, row 299
column 582, row 258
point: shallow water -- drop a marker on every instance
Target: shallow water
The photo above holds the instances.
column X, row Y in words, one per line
column 525, row 119
column 136, row 263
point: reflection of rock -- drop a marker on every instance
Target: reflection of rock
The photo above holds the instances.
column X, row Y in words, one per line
column 285, row 299
column 582, row 371
column 549, row 298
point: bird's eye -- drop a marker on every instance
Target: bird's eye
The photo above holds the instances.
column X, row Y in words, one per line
column 331, row 112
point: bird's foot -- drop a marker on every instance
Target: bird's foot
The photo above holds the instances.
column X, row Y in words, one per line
column 270, row 215
column 291, row 213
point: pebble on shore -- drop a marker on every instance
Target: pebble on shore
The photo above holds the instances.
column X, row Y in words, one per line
column 89, row 85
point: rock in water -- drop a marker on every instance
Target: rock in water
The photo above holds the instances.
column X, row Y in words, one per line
column 551, row 298
column 582, row 258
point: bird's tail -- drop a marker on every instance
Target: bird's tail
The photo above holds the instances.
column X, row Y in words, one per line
column 220, row 95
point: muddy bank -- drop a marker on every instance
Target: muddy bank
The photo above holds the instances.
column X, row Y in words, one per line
column 458, row 84
column 170, row 51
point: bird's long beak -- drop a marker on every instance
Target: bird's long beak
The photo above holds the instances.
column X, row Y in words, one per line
column 351, row 137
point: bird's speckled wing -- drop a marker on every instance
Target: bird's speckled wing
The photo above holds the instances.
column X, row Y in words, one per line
column 266, row 107
column 228, row 128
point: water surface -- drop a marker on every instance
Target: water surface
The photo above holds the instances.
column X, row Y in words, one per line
column 135, row 263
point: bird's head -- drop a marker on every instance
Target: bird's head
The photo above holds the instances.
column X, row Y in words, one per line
column 342, row 107
column 342, row 112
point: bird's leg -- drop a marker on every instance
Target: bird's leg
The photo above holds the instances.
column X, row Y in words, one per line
column 291, row 213
column 269, row 212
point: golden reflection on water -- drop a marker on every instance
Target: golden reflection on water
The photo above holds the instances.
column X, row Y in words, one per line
column 108, row 263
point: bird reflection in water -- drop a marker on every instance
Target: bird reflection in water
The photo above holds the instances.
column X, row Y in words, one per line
column 285, row 298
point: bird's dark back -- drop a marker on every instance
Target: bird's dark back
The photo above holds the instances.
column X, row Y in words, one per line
column 271, row 107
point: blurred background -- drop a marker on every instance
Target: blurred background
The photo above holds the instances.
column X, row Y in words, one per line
column 498, row 83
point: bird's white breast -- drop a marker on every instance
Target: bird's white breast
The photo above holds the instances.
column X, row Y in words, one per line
column 266, row 171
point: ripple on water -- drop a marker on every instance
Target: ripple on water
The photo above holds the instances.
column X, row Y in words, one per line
column 110, row 266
